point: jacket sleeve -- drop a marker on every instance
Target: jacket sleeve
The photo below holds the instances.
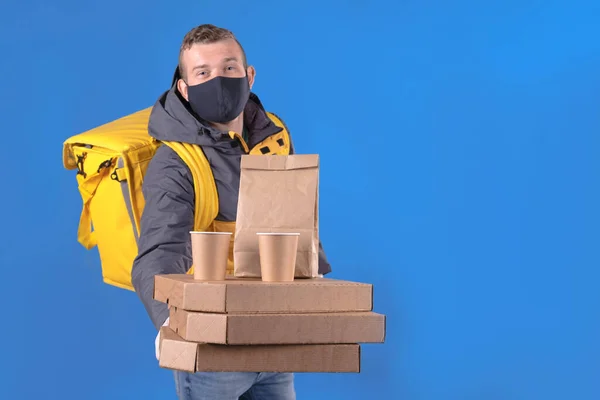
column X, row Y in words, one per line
column 324, row 265
column 168, row 216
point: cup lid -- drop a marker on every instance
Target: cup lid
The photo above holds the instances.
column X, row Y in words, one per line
column 210, row 233
column 279, row 233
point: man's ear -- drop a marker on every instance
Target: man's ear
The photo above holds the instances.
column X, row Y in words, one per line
column 183, row 89
column 251, row 73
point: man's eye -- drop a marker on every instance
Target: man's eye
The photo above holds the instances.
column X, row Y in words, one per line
column 230, row 68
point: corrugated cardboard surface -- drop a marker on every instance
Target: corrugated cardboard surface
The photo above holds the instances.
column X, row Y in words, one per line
column 250, row 295
column 252, row 329
column 177, row 354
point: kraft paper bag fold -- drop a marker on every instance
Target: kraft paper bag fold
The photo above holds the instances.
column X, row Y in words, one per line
column 277, row 194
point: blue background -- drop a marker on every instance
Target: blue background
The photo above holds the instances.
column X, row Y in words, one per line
column 459, row 145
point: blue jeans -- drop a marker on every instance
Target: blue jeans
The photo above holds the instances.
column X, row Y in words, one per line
column 234, row 386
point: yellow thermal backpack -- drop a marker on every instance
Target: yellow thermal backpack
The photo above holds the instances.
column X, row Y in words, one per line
column 111, row 161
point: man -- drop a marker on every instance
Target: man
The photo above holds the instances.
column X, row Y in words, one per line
column 210, row 96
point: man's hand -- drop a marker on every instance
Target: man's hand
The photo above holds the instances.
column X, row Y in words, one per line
column 157, row 341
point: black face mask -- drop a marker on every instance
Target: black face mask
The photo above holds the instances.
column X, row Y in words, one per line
column 220, row 99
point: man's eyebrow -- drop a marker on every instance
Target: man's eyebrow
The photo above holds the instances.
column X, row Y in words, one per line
column 204, row 66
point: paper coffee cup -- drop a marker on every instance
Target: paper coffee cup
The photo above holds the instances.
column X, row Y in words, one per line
column 277, row 256
column 209, row 255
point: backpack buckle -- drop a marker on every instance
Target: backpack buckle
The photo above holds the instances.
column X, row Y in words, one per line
column 104, row 164
column 80, row 160
column 118, row 175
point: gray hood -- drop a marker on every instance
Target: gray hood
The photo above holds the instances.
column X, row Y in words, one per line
column 172, row 119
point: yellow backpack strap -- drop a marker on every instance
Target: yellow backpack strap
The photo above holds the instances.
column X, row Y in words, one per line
column 206, row 205
column 278, row 143
column 87, row 188
column 279, row 122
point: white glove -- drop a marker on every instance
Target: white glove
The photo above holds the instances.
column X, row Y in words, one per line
column 157, row 340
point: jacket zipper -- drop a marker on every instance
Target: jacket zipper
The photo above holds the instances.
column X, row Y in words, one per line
column 234, row 136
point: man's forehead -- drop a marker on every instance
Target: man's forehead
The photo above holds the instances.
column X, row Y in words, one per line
column 211, row 53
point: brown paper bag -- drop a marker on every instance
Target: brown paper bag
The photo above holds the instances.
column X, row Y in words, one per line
column 277, row 194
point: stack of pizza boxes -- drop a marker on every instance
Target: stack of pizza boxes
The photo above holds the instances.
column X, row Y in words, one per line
column 242, row 323
column 247, row 325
